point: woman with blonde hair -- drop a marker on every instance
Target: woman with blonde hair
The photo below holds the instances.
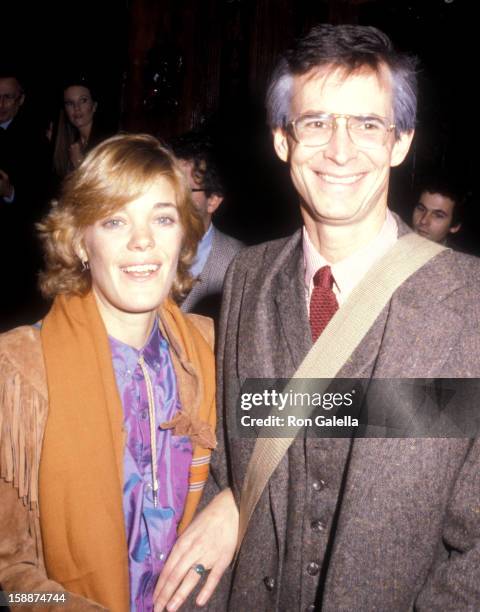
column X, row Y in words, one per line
column 107, row 407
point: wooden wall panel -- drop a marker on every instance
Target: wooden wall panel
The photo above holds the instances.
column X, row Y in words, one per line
column 226, row 50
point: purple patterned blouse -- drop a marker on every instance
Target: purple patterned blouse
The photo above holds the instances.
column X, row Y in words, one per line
column 151, row 531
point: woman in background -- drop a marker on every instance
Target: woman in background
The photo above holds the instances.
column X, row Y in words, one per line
column 107, row 410
column 78, row 128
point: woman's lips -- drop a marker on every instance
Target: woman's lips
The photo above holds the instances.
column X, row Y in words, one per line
column 141, row 271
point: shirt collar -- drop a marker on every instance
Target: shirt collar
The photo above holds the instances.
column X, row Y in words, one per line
column 203, row 251
column 150, row 351
column 348, row 272
column 5, row 124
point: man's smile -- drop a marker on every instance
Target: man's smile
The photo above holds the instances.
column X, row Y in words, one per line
column 335, row 179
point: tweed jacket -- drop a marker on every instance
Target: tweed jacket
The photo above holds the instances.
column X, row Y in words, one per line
column 205, row 296
column 408, row 526
column 22, row 566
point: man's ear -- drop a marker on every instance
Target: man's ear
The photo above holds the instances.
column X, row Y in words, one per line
column 454, row 228
column 213, row 202
column 401, row 147
column 280, row 143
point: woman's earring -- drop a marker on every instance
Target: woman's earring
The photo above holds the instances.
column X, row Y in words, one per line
column 85, row 265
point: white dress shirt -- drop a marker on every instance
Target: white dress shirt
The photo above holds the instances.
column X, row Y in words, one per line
column 348, row 272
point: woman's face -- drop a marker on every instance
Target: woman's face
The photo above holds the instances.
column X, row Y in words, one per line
column 133, row 254
column 79, row 106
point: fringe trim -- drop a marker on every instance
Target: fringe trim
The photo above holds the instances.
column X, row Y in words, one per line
column 23, row 413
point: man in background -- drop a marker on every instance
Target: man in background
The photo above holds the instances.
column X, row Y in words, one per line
column 24, row 183
column 24, row 155
column 216, row 250
column 438, row 212
column 11, row 99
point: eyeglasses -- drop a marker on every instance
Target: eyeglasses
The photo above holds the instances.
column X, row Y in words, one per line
column 9, row 98
column 366, row 132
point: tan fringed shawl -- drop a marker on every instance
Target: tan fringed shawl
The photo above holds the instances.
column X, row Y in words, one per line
column 81, row 467
column 23, row 409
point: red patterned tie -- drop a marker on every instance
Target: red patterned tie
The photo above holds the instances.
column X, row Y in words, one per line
column 323, row 303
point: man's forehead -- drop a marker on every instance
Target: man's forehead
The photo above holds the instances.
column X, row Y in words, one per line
column 185, row 164
column 192, row 173
column 361, row 89
column 9, row 84
column 437, row 201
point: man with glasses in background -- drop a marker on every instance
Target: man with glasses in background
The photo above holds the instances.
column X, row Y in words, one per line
column 24, row 182
column 216, row 249
column 11, row 99
column 343, row 523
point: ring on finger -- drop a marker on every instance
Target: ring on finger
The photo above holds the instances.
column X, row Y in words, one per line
column 199, row 568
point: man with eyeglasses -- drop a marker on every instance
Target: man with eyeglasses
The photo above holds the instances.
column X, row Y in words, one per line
column 24, row 155
column 216, row 249
column 343, row 523
column 24, row 183
column 11, row 99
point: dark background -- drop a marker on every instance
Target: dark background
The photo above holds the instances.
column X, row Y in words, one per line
column 165, row 66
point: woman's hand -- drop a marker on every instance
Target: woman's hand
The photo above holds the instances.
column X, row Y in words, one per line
column 76, row 154
column 6, row 187
column 210, row 540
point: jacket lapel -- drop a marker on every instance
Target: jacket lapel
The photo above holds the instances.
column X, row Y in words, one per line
column 295, row 336
column 292, row 309
column 273, row 316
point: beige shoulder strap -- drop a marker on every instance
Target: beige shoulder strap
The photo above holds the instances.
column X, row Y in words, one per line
column 334, row 346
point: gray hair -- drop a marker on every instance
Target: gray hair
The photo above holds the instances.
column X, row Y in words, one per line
column 349, row 48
